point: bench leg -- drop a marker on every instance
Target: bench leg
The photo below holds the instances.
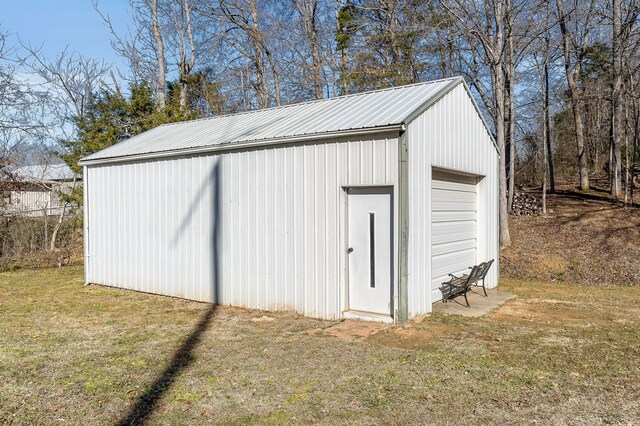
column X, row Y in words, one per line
column 484, row 289
column 466, row 300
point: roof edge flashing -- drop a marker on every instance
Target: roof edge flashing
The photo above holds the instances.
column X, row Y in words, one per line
column 434, row 99
column 455, row 81
column 244, row 145
column 315, row 101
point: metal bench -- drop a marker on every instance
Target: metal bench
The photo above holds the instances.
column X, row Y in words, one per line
column 461, row 285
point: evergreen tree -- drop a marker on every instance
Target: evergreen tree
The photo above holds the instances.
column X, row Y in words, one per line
column 111, row 118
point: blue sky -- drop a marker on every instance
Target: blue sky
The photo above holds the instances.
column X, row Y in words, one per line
column 56, row 24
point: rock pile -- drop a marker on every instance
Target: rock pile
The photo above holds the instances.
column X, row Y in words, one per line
column 525, row 205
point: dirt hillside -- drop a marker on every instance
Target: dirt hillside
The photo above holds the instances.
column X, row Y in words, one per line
column 582, row 239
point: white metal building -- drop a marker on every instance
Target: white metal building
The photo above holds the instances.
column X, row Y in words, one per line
column 355, row 206
column 35, row 190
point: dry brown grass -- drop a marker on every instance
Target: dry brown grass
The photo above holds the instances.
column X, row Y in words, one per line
column 581, row 240
column 71, row 354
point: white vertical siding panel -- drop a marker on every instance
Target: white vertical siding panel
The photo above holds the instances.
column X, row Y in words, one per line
column 261, row 246
column 449, row 135
column 250, row 197
column 231, row 177
column 299, row 228
column 108, row 221
column 241, row 252
column 379, row 162
column 116, row 220
column 366, row 157
column 290, row 170
column 308, row 229
column 321, row 229
column 153, row 222
column 267, row 228
column 354, row 165
column 279, row 233
column 332, row 248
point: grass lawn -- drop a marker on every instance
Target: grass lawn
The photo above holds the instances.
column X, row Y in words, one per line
column 70, row 354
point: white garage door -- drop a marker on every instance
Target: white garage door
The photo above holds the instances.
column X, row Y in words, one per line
column 454, row 227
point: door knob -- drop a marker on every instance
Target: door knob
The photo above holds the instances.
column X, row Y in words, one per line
column 350, row 249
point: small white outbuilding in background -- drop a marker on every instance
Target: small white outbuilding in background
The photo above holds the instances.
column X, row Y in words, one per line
column 357, row 206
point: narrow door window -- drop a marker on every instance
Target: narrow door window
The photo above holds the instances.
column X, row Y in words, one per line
column 372, row 250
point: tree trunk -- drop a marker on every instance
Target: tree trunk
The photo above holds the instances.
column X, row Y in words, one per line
column 634, row 156
column 626, row 154
column 46, row 228
column 258, row 58
column 58, row 225
column 343, row 72
column 576, row 103
column 307, row 9
column 56, row 228
column 185, row 66
column 505, row 239
column 161, row 80
column 617, row 121
column 582, row 158
column 545, row 120
column 498, row 77
column 510, row 128
column 276, row 76
column 547, row 124
column 316, row 60
column 545, row 168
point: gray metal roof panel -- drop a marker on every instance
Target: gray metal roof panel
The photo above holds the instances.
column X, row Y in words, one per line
column 352, row 112
column 43, row 172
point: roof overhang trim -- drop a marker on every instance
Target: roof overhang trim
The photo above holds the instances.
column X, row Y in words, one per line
column 245, row 145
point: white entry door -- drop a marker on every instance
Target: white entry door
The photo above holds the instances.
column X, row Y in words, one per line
column 370, row 250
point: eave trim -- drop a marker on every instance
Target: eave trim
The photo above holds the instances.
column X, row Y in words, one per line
column 243, row 145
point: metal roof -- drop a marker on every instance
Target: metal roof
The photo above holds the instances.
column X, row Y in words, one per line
column 43, row 172
column 375, row 110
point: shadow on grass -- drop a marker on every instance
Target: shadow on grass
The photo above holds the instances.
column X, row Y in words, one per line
column 183, row 356
column 595, row 194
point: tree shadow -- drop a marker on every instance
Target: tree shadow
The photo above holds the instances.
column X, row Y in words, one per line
column 600, row 195
column 183, row 357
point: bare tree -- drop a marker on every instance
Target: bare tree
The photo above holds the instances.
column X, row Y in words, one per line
column 575, row 41
column 622, row 30
column 23, row 105
column 542, row 55
column 70, row 80
column 485, row 25
column 308, row 11
column 182, row 30
column 143, row 46
column 241, row 26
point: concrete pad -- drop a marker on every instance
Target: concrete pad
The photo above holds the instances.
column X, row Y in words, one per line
column 353, row 329
column 480, row 305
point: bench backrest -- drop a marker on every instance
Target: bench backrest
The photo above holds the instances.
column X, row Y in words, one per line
column 479, row 271
column 476, row 274
column 485, row 268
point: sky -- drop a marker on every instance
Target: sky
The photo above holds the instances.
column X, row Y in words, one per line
column 57, row 24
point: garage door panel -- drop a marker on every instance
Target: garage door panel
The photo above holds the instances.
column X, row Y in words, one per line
column 453, row 228
column 452, row 263
column 453, row 186
column 445, row 178
column 449, row 206
column 453, row 216
column 454, row 197
column 445, row 232
column 452, row 247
